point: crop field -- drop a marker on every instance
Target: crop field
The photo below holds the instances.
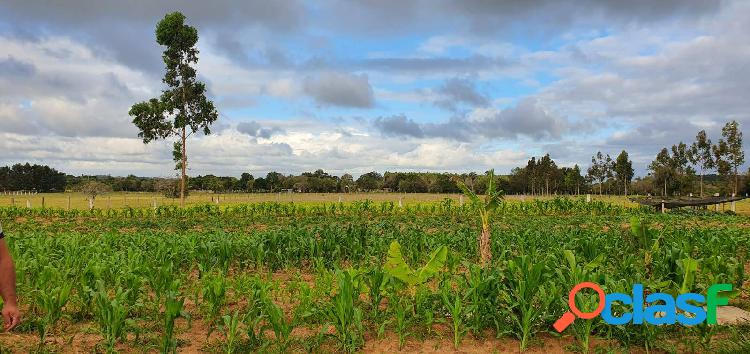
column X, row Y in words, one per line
column 362, row 276
column 143, row 200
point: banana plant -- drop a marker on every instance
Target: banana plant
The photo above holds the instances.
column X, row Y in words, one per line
column 397, row 268
column 492, row 200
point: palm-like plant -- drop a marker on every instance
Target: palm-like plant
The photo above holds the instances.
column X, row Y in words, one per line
column 492, row 199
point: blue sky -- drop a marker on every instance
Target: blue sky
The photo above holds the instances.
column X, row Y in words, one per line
column 355, row 86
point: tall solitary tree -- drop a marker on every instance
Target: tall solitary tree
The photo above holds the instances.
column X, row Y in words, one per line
column 734, row 153
column 701, row 156
column 623, row 168
column 182, row 109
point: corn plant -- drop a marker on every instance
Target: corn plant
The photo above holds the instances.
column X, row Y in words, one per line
column 482, row 287
column 375, row 279
column 401, row 307
column 173, row 309
column 425, row 303
column 492, row 200
column 281, row 326
column 51, row 300
column 345, row 315
column 453, row 302
column 214, row 294
column 528, row 293
column 576, row 273
column 111, row 314
column 256, row 296
column 230, row 326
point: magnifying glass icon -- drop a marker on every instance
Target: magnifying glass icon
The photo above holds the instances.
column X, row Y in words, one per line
column 568, row 317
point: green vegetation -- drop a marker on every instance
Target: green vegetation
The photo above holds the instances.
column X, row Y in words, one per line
column 286, row 277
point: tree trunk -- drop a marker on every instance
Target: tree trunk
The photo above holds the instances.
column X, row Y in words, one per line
column 735, row 180
column 626, row 188
column 183, row 165
column 485, row 253
column 701, row 184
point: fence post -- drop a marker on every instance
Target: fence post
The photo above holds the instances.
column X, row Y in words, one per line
column 43, row 203
column 588, row 198
column 733, row 203
column 12, row 201
column 662, row 207
column 28, row 203
column 68, row 203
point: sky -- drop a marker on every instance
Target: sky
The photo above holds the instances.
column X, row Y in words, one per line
column 384, row 85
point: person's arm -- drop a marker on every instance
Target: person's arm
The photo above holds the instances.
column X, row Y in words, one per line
column 11, row 315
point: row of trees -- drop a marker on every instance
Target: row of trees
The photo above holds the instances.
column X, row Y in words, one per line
column 675, row 168
column 29, row 177
column 540, row 176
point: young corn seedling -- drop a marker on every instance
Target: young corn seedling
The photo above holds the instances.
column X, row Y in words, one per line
column 424, row 306
column 345, row 315
column 112, row 315
column 576, row 273
column 375, row 280
column 453, row 302
column 51, row 300
column 173, row 309
column 530, row 294
column 256, row 297
column 214, row 292
column 401, row 308
column 231, row 331
column 281, row 327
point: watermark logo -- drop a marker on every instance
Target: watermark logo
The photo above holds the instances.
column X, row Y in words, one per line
column 662, row 308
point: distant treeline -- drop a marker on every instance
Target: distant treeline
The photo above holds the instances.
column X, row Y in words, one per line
column 540, row 176
column 31, row 178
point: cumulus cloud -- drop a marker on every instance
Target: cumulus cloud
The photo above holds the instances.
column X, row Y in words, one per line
column 398, row 125
column 456, row 92
column 56, row 86
column 254, row 129
column 636, row 76
column 527, row 119
column 340, row 89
